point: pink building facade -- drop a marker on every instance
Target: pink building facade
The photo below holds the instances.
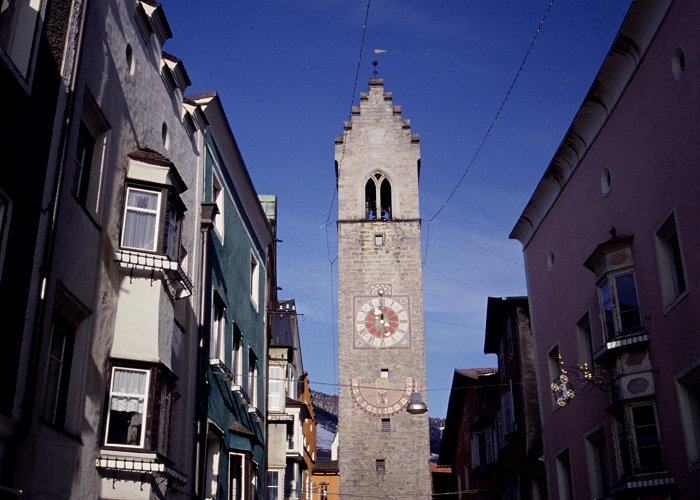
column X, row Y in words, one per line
column 610, row 240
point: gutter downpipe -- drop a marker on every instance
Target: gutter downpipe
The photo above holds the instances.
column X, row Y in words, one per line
column 207, row 214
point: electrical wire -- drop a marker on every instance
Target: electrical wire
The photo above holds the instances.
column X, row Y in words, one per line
column 337, row 385
column 489, row 128
column 331, row 259
column 498, row 113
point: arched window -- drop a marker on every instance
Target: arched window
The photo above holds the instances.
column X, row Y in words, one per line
column 378, row 197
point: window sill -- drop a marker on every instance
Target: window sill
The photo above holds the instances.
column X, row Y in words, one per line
column 174, row 277
column 642, row 480
column 142, row 463
column 621, row 342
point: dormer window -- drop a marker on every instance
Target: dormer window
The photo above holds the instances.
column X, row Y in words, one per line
column 378, row 197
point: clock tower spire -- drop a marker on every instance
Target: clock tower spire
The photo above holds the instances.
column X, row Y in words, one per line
column 383, row 450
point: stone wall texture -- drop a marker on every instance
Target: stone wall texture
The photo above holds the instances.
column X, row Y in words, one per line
column 379, row 139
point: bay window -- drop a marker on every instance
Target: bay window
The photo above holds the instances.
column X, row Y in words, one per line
column 139, row 408
column 128, row 406
column 619, row 304
column 153, row 209
column 141, row 219
column 638, row 443
column 151, row 222
column 613, row 264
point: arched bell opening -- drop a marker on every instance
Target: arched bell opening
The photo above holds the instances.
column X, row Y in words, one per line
column 378, row 197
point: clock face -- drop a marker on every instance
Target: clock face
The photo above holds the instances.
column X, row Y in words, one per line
column 381, row 322
column 382, row 397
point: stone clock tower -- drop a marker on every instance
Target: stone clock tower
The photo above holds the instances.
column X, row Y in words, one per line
column 383, row 450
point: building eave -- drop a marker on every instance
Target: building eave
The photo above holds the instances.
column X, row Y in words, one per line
column 618, row 68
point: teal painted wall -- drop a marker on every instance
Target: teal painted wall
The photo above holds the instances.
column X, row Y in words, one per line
column 229, row 266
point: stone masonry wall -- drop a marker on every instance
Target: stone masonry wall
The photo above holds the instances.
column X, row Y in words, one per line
column 378, row 139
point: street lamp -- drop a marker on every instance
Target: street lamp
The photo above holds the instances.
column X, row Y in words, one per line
column 416, row 406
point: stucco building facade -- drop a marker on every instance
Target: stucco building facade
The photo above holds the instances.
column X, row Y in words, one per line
column 291, row 424
column 137, row 264
column 609, row 240
column 237, row 241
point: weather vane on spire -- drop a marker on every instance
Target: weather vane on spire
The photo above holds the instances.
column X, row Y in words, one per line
column 375, row 63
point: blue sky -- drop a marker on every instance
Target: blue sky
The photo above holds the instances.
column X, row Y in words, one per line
column 285, row 71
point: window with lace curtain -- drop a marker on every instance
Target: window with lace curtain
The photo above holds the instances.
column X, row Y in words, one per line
column 128, row 406
column 139, row 408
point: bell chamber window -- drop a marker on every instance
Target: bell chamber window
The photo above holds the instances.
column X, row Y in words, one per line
column 378, row 197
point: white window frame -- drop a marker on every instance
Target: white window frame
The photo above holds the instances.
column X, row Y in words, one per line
column 243, row 490
column 585, row 340
column 565, row 476
column 598, row 470
column 254, row 280
column 626, row 427
column 157, row 212
column 217, row 336
column 610, row 279
column 218, row 194
column 146, row 399
column 22, row 45
column 213, row 462
column 57, row 393
column 276, row 386
column 672, row 291
column 87, row 185
column 688, row 390
column 487, row 437
column 272, row 491
column 237, row 357
column 253, row 378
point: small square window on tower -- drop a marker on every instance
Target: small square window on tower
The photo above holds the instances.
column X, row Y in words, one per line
column 378, row 240
column 380, row 465
column 386, row 425
column 385, row 373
